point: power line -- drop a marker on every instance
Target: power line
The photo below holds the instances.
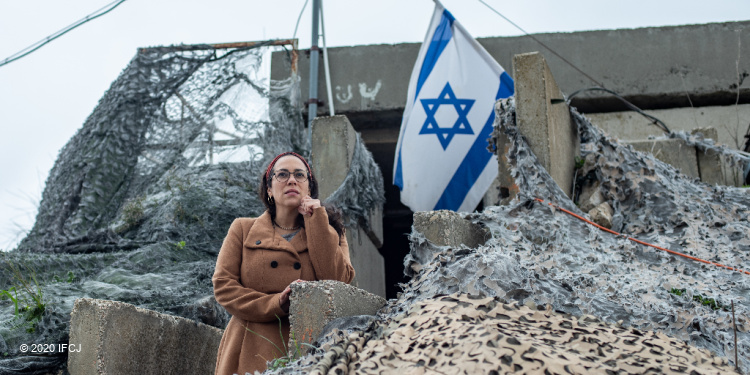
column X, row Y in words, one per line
column 631, row 106
column 601, row 87
column 28, row 50
column 543, row 45
column 298, row 19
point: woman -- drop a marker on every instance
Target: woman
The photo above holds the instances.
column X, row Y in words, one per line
column 295, row 239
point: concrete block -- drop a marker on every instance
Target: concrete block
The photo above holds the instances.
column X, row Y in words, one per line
column 590, row 196
column 314, row 304
column 602, row 215
column 368, row 264
column 333, row 142
column 727, row 121
column 552, row 136
column 119, row 338
column 448, row 228
column 713, row 168
column 716, row 170
column 671, row 151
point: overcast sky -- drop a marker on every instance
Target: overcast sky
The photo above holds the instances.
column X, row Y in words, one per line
column 46, row 96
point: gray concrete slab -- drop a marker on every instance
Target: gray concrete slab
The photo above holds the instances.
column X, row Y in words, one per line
column 449, row 228
column 716, row 170
column 118, row 338
column 333, row 142
column 544, row 119
column 731, row 122
column 671, row 151
column 314, row 304
column 654, row 67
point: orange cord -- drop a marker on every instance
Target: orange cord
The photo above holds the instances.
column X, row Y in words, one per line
column 641, row 242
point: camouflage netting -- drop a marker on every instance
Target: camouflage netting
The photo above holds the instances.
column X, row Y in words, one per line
column 539, row 254
column 139, row 200
column 362, row 189
column 546, row 259
column 461, row 334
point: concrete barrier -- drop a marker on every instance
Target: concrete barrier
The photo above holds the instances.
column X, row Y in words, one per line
column 316, row 303
column 652, row 67
column 543, row 118
column 729, row 123
column 112, row 337
column 449, row 228
column 333, row 143
column 671, row 151
column 708, row 166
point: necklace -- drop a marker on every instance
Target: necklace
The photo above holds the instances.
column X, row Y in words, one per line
column 284, row 228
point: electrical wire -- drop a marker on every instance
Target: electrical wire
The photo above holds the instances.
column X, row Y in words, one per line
column 294, row 36
column 631, row 106
column 601, row 87
column 639, row 241
column 543, row 45
column 28, row 50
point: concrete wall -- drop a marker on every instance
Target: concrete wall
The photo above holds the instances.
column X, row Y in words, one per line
column 731, row 122
column 552, row 136
column 112, row 337
column 708, row 166
column 315, row 304
column 333, row 141
column 449, row 228
column 653, row 67
column 674, row 152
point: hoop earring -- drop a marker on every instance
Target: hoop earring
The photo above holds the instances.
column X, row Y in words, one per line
column 270, row 200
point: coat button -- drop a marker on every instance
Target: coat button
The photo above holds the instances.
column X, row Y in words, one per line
column 257, row 242
column 297, row 265
column 274, row 264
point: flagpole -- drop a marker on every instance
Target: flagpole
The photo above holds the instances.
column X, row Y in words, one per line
column 314, row 56
column 325, row 62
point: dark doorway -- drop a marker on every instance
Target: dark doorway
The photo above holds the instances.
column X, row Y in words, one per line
column 379, row 131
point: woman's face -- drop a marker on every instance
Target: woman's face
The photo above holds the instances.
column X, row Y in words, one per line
column 290, row 192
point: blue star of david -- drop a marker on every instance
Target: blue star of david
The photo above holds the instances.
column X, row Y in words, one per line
column 462, row 106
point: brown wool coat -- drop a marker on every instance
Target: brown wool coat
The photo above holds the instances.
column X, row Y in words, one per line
column 255, row 264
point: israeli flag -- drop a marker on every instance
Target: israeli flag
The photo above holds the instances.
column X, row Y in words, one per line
column 442, row 161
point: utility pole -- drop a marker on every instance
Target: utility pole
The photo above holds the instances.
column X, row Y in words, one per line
column 314, row 57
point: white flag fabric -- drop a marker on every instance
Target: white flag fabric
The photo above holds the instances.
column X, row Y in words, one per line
column 442, row 161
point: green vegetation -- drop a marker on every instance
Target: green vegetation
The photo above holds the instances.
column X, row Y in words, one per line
column 180, row 245
column 705, row 301
column 132, row 212
column 26, row 296
column 286, row 357
column 580, row 162
column 69, row 278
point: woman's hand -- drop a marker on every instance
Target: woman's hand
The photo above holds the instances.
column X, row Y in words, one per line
column 284, row 297
column 307, row 205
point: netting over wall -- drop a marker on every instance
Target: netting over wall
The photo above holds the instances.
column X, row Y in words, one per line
column 169, row 116
column 544, row 258
column 539, row 254
column 139, row 200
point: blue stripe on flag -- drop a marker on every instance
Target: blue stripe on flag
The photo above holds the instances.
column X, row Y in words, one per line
column 399, row 179
column 506, row 87
column 475, row 160
column 440, row 39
